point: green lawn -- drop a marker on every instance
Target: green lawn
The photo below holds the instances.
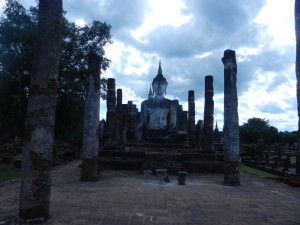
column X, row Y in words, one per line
column 8, row 172
column 257, row 172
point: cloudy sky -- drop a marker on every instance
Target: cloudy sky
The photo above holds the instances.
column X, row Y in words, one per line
column 189, row 37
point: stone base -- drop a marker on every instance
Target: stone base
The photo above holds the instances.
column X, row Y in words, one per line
column 36, row 214
column 231, row 173
column 89, row 169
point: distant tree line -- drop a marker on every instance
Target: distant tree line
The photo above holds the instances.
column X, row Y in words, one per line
column 17, row 38
column 256, row 128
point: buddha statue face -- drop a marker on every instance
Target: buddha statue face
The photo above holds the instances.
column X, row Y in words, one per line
column 159, row 88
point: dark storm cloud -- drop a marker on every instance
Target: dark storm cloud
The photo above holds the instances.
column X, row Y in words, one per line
column 121, row 15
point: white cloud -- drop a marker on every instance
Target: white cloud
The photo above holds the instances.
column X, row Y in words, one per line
column 190, row 36
column 167, row 12
column 278, row 16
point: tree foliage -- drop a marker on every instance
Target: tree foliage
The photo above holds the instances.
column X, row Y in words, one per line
column 256, row 128
column 17, row 38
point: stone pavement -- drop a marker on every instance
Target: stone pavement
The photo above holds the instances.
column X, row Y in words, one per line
column 124, row 198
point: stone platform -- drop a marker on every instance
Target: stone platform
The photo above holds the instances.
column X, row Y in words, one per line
column 123, row 197
column 174, row 160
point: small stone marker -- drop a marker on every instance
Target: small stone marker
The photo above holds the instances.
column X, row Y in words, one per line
column 181, row 177
column 162, row 174
column 147, row 175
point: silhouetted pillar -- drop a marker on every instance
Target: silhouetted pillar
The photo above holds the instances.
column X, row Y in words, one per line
column 191, row 118
column 131, row 134
column 198, row 134
column 208, row 126
column 119, row 119
column 183, row 120
column 110, row 114
column 119, row 98
column 90, row 142
column 231, row 121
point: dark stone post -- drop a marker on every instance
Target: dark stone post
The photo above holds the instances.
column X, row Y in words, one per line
column 183, row 120
column 119, row 119
column 231, row 121
column 198, row 135
column 111, row 113
column 208, row 126
column 131, row 133
column 191, row 118
column 90, row 142
column 119, row 98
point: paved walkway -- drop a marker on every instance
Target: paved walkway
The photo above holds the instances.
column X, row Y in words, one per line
column 123, row 198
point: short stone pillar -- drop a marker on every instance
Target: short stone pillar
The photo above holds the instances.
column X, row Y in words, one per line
column 182, row 177
column 191, row 118
column 90, row 143
column 231, row 121
column 161, row 174
column 208, row 126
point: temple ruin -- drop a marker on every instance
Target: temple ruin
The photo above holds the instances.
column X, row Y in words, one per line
column 162, row 135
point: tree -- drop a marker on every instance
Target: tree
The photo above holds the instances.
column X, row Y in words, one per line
column 17, row 30
column 256, row 128
column 39, row 126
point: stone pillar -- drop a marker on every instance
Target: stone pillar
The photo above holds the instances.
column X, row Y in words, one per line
column 208, row 126
column 231, row 121
column 191, row 118
column 119, row 98
column 119, row 119
column 198, row 135
column 110, row 114
column 38, row 139
column 183, row 121
column 90, row 142
column 131, row 134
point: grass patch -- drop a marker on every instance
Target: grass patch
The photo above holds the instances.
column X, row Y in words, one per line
column 8, row 172
column 258, row 172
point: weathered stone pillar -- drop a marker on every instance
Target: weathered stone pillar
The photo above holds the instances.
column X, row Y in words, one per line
column 38, row 138
column 110, row 114
column 132, row 110
column 119, row 98
column 208, row 126
column 90, row 143
column 198, row 135
column 191, row 118
column 183, row 121
column 231, row 121
column 119, row 119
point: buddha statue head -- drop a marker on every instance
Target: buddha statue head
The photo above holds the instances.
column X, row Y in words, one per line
column 159, row 84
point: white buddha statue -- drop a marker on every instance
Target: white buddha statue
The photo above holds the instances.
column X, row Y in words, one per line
column 159, row 113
